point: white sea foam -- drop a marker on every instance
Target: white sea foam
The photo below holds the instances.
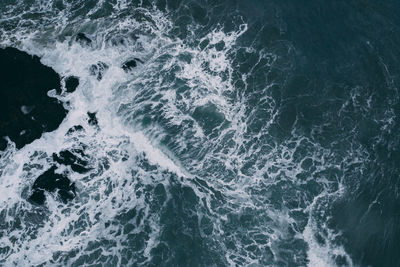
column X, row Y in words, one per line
column 113, row 138
column 239, row 173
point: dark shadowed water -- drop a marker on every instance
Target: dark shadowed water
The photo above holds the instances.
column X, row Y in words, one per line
column 206, row 133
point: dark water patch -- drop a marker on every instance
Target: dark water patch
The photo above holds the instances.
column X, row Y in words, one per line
column 208, row 117
column 76, row 162
column 83, row 39
column 181, row 235
column 335, row 82
column 369, row 213
column 76, row 128
column 342, row 85
column 52, row 182
column 92, row 119
column 26, row 111
column 130, row 64
column 369, row 221
column 71, row 83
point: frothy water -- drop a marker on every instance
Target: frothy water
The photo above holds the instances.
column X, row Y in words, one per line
column 191, row 163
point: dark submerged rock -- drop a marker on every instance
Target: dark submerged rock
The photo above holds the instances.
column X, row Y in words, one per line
column 68, row 158
column 76, row 128
column 98, row 70
column 26, row 111
column 83, row 39
column 130, row 64
column 71, row 83
column 92, row 119
column 52, row 182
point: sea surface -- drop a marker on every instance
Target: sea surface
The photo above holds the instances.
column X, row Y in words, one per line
column 250, row 133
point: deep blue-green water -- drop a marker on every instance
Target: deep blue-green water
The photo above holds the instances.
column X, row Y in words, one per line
column 250, row 133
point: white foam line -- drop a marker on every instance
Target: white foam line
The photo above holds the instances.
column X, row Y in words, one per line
column 142, row 144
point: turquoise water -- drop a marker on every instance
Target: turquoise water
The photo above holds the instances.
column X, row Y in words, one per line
column 251, row 133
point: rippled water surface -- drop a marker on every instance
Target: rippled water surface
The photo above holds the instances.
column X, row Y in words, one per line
column 250, row 133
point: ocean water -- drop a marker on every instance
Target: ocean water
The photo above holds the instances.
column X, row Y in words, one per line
column 250, row 133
